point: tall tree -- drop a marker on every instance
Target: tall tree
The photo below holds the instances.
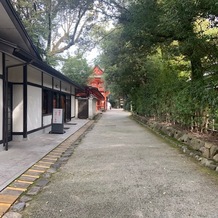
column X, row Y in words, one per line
column 77, row 69
column 57, row 25
column 150, row 23
column 180, row 32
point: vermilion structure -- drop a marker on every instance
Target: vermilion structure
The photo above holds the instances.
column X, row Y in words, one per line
column 97, row 80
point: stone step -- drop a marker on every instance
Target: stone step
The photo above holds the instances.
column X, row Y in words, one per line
column 5, row 203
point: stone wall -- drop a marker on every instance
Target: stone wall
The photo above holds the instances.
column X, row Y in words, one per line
column 205, row 152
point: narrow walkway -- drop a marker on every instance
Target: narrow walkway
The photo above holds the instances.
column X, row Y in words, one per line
column 122, row 170
column 25, row 161
column 23, row 154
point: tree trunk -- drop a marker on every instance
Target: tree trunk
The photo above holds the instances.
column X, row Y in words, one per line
column 196, row 68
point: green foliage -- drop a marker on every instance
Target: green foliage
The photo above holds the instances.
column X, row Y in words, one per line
column 162, row 57
column 77, row 69
column 57, row 25
column 195, row 102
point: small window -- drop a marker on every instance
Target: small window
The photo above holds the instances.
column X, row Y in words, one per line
column 56, row 100
column 47, row 102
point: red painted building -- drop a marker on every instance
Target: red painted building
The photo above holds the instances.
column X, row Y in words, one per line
column 96, row 80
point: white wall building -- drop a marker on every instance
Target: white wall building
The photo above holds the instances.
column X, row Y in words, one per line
column 87, row 102
column 29, row 88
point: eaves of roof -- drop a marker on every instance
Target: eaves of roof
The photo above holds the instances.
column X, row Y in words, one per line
column 95, row 92
column 19, row 26
column 97, row 66
column 43, row 66
column 14, row 50
column 33, row 58
column 6, row 46
column 90, row 91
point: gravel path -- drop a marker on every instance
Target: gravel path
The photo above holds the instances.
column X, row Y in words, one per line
column 122, row 170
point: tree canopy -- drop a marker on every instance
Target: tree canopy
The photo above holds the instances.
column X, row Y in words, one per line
column 77, row 69
column 55, row 26
column 162, row 58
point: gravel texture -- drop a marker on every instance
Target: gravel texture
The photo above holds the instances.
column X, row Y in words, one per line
column 122, row 170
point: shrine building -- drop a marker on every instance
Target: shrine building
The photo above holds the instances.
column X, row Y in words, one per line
column 96, row 79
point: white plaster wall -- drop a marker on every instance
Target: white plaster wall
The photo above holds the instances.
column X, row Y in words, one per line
column 17, row 108
column 72, row 106
column 1, row 70
column 34, row 107
column 90, row 108
column 47, row 120
column 1, row 109
column 94, row 103
column 15, row 74
column 65, row 87
column 73, row 90
column 47, row 80
column 57, row 84
column 76, row 108
column 1, row 99
column 34, row 76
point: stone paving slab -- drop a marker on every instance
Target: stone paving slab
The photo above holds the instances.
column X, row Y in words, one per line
column 12, row 192
column 17, row 184
column 121, row 170
column 7, row 199
column 24, row 183
column 3, row 208
column 21, row 155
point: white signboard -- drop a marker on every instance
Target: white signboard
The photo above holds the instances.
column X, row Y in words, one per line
column 57, row 116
